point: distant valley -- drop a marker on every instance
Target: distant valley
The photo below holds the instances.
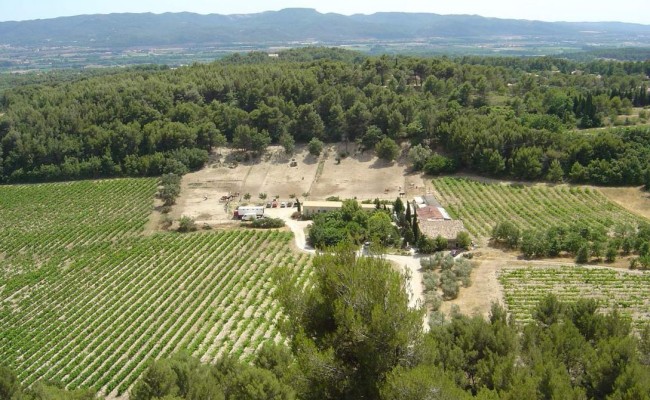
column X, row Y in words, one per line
column 183, row 38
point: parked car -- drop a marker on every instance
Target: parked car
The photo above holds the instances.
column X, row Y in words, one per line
column 283, row 204
column 268, row 204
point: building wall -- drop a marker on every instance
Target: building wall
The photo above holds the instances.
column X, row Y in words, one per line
column 310, row 209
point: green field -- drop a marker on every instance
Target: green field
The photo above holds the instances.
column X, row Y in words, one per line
column 85, row 299
column 482, row 205
column 625, row 291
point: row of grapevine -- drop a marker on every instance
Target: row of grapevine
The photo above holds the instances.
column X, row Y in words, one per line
column 482, row 205
column 38, row 221
column 624, row 290
column 97, row 325
column 86, row 300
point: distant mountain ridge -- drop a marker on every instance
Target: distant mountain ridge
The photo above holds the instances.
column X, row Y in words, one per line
column 288, row 25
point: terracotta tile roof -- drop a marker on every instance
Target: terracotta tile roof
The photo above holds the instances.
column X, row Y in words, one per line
column 429, row 212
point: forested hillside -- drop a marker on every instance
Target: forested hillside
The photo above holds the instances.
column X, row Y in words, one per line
column 520, row 118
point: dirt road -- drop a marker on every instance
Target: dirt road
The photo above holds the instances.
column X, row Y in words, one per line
column 407, row 264
column 411, row 266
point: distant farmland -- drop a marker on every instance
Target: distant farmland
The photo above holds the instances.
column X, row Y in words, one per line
column 86, row 300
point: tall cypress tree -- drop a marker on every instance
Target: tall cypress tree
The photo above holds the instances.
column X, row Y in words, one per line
column 415, row 217
column 407, row 216
column 407, row 233
column 416, row 231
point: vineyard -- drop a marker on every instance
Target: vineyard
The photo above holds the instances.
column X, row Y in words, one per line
column 625, row 291
column 87, row 301
column 40, row 223
column 482, row 205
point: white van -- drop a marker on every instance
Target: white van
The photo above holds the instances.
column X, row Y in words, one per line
column 249, row 217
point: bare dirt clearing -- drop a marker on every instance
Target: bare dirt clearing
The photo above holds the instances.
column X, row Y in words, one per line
column 634, row 199
column 486, row 289
column 201, row 191
column 363, row 176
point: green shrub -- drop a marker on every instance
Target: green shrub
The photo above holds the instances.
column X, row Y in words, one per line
column 440, row 243
column 268, row 223
column 463, row 239
column 449, row 285
column 433, row 300
column 186, row 224
column 438, row 164
column 582, row 256
column 431, row 263
column 430, row 280
column 447, row 262
column 426, row 245
column 315, row 147
column 387, row 149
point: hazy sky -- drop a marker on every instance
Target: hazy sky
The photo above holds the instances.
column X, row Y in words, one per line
column 546, row 10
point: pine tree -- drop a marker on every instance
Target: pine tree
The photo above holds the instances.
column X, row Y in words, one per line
column 398, row 206
column 555, row 172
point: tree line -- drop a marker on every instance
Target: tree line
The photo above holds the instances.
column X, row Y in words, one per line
column 494, row 116
column 578, row 240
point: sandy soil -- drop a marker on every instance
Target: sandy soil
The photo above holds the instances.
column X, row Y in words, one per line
column 363, row 176
column 634, row 199
column 275, row 177
column 201, row 191
column 485, row 289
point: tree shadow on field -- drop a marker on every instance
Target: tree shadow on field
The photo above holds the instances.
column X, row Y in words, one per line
column 310, row 159
column 363, row 156
column 379, row 163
